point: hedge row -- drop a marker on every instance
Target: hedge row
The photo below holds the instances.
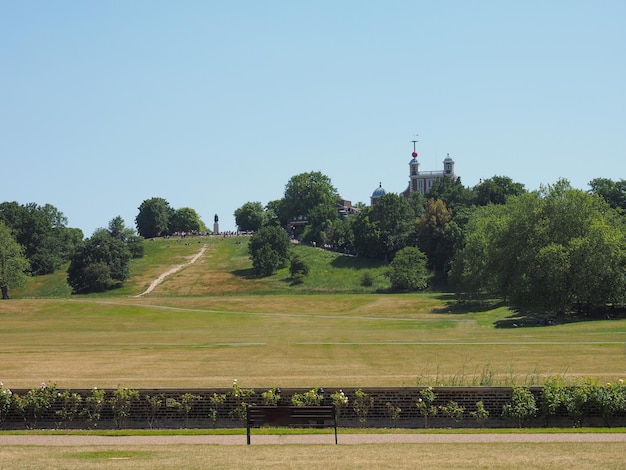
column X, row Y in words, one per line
column 557, row 403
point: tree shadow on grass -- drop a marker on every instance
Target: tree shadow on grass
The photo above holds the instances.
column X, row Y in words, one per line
column 541, row 319
column 354, row 262
column 455, row 306
column 249, row 273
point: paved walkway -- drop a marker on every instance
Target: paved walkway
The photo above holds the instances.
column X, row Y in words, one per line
column 75, row 440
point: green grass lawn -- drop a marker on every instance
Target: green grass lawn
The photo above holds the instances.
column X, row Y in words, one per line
column 214, row 321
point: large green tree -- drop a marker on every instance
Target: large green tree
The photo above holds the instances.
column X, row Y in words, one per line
column 613, row 192
column 496, row 190
column 366, row 235
column 305, row 191
column 153, row 218
column 118, row 229
column 395, row 219
column 185, row 219
column 13, row 263
column 452, row 192
column 275, row 213
column 436, row 234
column 250, row 217
column 41, row 230
column 383, row 229
column 101, row 264
column 321, row 218
column 558, row 249
column 407, row 271
column 269, row 250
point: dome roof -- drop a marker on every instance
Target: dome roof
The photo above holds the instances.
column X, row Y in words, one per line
column 378, row 192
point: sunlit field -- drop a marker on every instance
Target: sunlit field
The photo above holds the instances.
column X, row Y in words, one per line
column 213, row 321
column 398, row 456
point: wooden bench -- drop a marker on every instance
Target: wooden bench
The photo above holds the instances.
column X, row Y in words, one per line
column 303, row 416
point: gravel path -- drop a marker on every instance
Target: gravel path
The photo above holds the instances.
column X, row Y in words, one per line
column 73, row 440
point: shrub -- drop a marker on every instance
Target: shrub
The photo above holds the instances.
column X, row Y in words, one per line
column 425, row 404
column 393, row 411
column 93, row 407
column 453, row 410
column 70, row 407
column 367, row 280
column 216, row 400
column 610, row 399
column 155, row 402
column 522, row 407
column 340, row 400
column 553, row 397
column 242, row 397
column 298, row 270
column 271, row 397
column 407, row 271
column 578, row 400
column 313, row 397
column 6, row 402
column 361, row 404
column 35, row 403
column 121, row 402
column 269, row 250
column 187, row 400
column 481, row 414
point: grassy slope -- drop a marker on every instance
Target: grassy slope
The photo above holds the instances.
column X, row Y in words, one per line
column 214, row 321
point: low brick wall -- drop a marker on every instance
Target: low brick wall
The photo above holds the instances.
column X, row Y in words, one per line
column 170, row 416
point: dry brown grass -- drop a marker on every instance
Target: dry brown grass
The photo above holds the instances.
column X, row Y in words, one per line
column 399, row 456
column 264, row 342
column 175, row 338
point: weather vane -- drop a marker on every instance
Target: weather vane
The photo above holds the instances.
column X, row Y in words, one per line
column 415, row 141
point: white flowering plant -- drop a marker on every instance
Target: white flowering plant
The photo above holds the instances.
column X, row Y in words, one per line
column 340, row 400
column 6, row 401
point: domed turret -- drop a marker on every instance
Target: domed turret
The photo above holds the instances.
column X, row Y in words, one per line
column 448, row 166
column 377, row 194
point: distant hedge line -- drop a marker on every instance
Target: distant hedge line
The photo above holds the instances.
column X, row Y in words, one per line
column 557, row 403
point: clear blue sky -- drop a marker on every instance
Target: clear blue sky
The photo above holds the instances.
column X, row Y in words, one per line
column 104, row 104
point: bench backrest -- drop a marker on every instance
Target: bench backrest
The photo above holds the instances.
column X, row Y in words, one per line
column 309, row 416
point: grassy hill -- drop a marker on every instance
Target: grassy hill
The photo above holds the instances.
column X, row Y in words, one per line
column 224, row 269
column 213, row 321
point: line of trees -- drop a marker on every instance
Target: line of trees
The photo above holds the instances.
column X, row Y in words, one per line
column 156, row 218
column 34, row 240
column 558, row 249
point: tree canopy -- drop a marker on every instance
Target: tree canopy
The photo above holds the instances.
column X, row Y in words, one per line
column 305, row 191
column 102, row 263
column 269, row 250
column 558, row 249
column 250, row 217
column 154, row 217
column 185, row 219
column 496, row 190
column 408, row 271
column 41, row 230
column 13, row 263
column 436, row 234
column 613, row 192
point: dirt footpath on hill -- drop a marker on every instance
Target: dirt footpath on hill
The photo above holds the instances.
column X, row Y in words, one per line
column 175, row 269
